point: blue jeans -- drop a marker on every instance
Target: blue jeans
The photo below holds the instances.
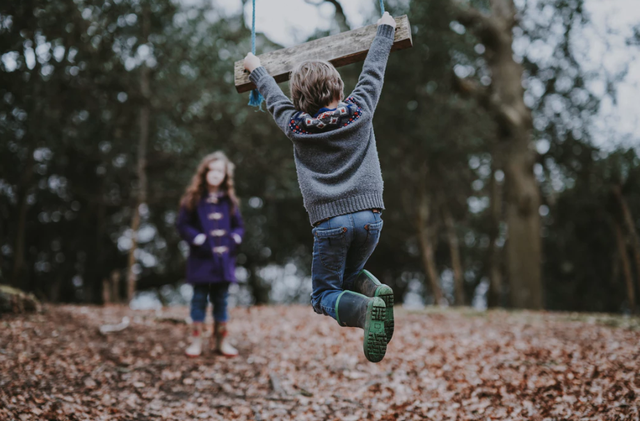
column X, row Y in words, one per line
column 341, row 247
column 217, row 294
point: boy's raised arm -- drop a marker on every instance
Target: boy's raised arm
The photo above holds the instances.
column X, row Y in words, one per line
column 367, row 91
column 278, row 104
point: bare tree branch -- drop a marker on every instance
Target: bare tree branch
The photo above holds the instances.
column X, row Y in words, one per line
column 341, row 18
column 487, row 28
column 507, row 115
column 505, row 11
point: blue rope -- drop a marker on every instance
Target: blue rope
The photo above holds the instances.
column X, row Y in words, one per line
column 382, row 7
column 255, row 98
column 253, row 29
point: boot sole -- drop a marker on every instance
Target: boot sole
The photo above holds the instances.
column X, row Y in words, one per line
column 375, row 338
column 386, row 293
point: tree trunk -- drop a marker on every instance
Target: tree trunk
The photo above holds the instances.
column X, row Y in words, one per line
column 259, row 289
column 131, row 261
column 505, row 101
column 100, row 273
column 494, row 296
column 19, row 264
column 626, row 266
column 2, row 237
column 17, row 278
column 426, row 248
column 631, row 229
column 143, row 140
column 456, row 261
column 54, row 291
column 341, row 18
column 523, row 221
column 4, row 234
column 115, row 286
column 106, row 291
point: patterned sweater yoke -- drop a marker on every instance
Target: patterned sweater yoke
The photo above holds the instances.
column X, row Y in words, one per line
column 335, row 152
column 346, row 113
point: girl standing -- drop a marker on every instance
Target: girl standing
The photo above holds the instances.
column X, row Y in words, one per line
column 210, row 222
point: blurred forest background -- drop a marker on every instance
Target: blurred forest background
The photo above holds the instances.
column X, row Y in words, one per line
column 497, row 193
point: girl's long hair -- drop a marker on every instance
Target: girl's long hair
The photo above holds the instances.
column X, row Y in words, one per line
column 199, row 186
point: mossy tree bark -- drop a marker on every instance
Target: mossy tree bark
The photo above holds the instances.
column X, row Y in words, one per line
column 504, row 99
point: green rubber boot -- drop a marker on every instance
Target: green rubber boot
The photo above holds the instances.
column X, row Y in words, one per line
column 367, row 284
column 357, row 310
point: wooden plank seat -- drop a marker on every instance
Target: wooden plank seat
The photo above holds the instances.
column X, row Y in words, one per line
column 340, row 50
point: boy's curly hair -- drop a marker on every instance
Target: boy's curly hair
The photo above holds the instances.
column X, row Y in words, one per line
column 315, row 84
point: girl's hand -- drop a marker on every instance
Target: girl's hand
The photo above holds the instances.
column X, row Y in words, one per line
column 251, row 62
column 387, row 19
column 199, row 239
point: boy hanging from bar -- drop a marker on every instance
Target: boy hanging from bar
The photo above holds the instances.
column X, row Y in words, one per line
column 341, row 182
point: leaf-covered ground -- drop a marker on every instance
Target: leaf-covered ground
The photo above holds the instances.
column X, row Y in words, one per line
column 296, row 365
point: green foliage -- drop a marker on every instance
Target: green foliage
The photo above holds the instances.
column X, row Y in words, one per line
column 69, row 104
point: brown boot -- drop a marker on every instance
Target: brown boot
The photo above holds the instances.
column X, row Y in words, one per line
column 223, row 346
column 195, row 349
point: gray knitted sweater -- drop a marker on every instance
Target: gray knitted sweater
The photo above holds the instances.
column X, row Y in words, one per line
column 335, row 151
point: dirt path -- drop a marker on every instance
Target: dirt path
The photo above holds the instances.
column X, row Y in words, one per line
column 295, row 365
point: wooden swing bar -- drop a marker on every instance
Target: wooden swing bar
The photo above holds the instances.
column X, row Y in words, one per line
column 340, row 50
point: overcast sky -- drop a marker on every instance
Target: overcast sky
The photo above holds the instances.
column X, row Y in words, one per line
column 603, row 46
column 613, row 22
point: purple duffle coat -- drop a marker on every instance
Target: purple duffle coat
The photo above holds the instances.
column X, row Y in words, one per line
column 215, row 260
